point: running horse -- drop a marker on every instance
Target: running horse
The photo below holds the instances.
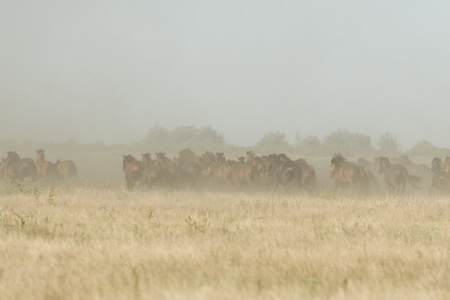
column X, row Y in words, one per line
column 133, row 170
column 347, row 175
column 441, row 179
column 396, row 176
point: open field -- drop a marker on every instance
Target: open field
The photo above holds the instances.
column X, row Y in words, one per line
column 106, row 243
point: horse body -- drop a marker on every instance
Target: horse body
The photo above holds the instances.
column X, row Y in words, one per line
column 66, row 169
column 441, row 177
column 287, row 172
column 45, row 169
column 169, row 169
column 308, row 175
column 396, row 176
column 132, row 169
column 151, row 173
column 348, row 175
column 18, row 168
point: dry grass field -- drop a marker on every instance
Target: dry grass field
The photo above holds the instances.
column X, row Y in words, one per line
column 104, row 243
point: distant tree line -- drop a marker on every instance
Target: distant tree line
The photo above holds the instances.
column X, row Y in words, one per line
column 171, row 141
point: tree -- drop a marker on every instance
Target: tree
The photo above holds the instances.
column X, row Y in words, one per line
column 273, row 142
column 183, row 137
column 424, row 147
column 309, row 145
column 344, row 141
column 157, row 135
column 388, row 144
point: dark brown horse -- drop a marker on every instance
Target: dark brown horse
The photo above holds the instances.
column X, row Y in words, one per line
column 18, row 168
column 151, row 175
column 412, row 168
column 133, row 170
column 45, row 169
column 66, row 169
column 347, row 175
column 190, row 167
column 441, row 178
column 396, row 176
column 287, row 173
column 169, row 169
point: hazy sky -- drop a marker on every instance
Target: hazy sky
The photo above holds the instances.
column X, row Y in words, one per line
column 109, row 70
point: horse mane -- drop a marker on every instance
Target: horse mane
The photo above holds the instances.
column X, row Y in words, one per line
column 12, row 155
column 339, row 158
column 128, row 158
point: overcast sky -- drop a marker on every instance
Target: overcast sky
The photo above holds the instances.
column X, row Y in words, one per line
column 110, row 70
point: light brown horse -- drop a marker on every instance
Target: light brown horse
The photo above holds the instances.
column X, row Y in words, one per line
column 350, row 176
column 266, row 175
column 219, row 172
column 308, row 178
column 133, row 170
column 45, row 169
column 18, row 168
column 243, row 174
column 66, row 169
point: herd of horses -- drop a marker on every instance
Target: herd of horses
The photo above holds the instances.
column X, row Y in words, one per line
column 15, row 168
column 189, row 169
column 274, row 171
column 397, row 173
column 278, row 171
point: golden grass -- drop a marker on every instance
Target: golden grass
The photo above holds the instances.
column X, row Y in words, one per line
column 92, row 243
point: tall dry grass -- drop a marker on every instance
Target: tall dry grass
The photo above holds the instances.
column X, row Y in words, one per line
column 93, row 243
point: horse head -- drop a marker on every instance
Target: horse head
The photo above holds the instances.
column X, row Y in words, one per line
column 436, row 164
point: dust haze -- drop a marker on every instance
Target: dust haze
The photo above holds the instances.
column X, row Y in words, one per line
column 109, row 70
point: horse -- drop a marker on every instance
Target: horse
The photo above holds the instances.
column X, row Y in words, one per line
column 396, row 176
column 266, row 174
column 151, row 172
column 441, row 177
column 190, row 167
column 45, row 169
column 132, row 169
column 308, row 179
column 17, row 168
column 287, row 172
column 243, row 173
column 169, row 169
column 347, row 175
column 66, row 169
column 220, row 172
column 416, row 169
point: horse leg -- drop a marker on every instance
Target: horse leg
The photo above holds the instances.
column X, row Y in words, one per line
column 402, row 188
column 130, row 184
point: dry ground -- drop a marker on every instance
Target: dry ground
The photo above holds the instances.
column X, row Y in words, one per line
column 94, row 243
